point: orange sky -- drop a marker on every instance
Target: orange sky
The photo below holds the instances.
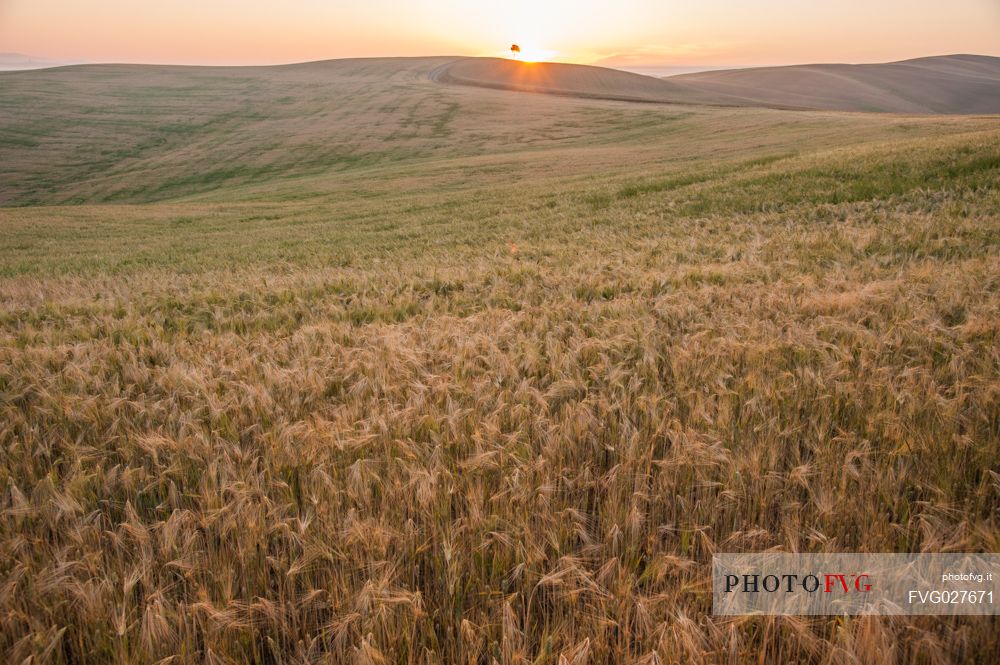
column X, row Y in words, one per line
column 627, row 32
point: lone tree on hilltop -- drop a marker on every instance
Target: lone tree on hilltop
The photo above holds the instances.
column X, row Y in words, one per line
column 515, row 49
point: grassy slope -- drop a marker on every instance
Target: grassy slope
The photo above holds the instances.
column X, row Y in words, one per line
column 335, row 360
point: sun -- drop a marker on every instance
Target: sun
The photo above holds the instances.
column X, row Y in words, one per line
column 526, row 52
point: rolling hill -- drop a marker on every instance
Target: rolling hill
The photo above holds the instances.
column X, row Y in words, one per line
column 959, row 84
column 965, row 84
column 134, row 133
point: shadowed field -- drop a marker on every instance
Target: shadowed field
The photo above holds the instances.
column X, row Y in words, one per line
column 335, row 362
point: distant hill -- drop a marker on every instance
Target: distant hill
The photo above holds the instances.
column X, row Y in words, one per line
column 19, row 61
column 967, row 84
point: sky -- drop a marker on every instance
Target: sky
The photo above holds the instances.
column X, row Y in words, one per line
column 624, row 33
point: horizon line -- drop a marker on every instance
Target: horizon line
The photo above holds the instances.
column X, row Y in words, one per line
column 45, row 62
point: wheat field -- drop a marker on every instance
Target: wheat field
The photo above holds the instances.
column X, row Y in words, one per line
column 337, row 364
